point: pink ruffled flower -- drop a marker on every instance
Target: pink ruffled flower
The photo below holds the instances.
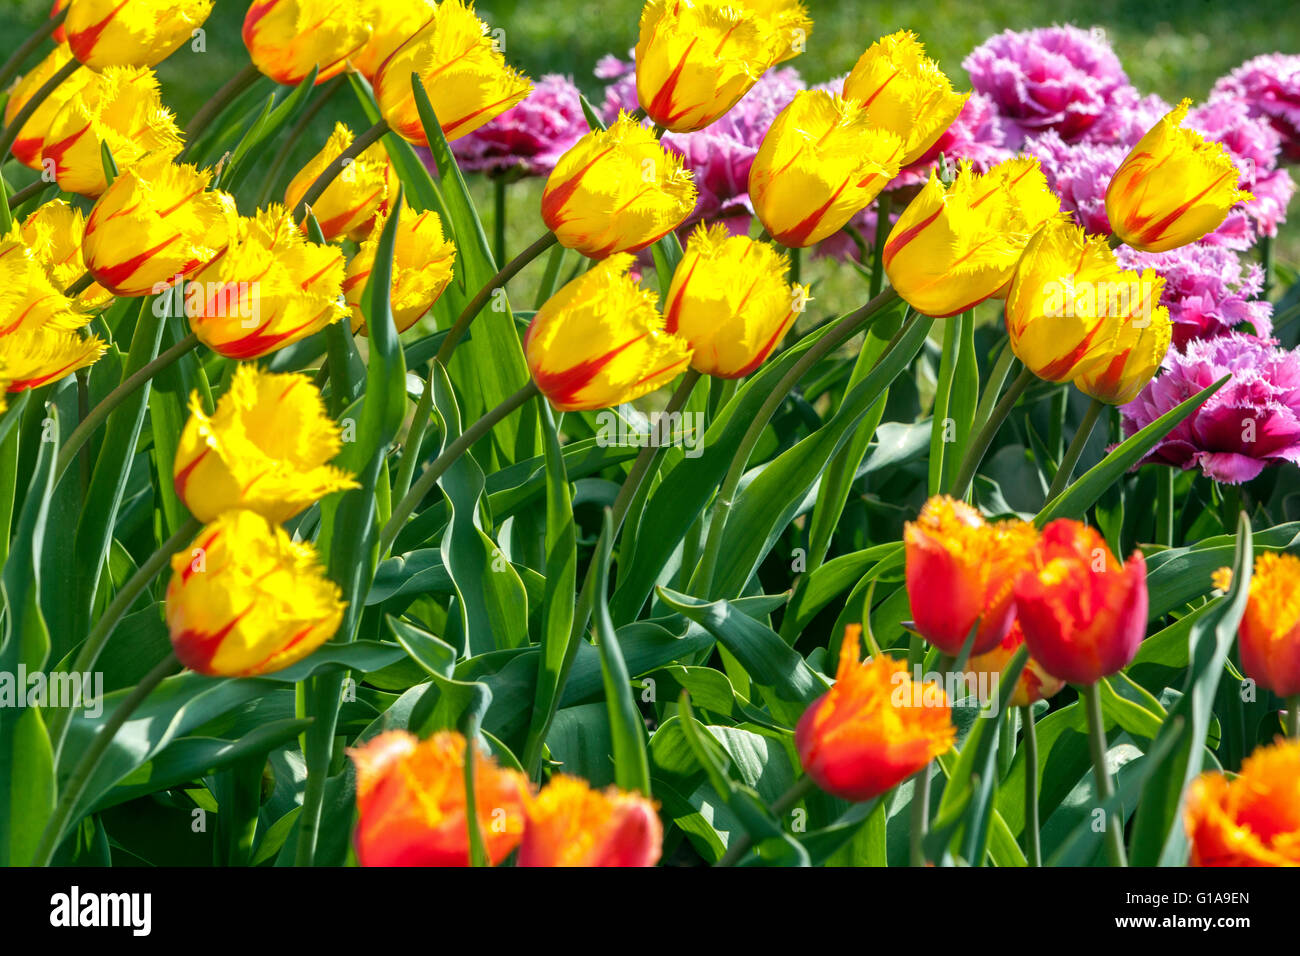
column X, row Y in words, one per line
column 529, row 138
column 1127, row 118
column 1269, row 86
column 977, row 134
column 1255, row 147
column 1053, row 78
column 1251, row 422
column 1206, row 291
column 1079, row 174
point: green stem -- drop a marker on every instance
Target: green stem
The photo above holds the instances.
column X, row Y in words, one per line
column 337, row 165
column 1293, row 717
column 1033, row 839
column 84, row 282
column 1165, row 506
column 29, row 46
column 471, row 311
column 1105, row 790
column 286, row 148
column 884, row 204
column 499, row 193
column 213, row 108
column 115, row 398
column 27, row 192
column 852, row 323
column 1077, row 443
column 85, row 769
column 32, row 105
column 784, row 804
column 462, row 443
column 414, row 439
column 920, row 816
column 980, row 443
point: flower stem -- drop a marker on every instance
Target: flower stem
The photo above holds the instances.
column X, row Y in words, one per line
column 471, row 311
column 115, row 398
column 337, row 165
column 499, row 194
column 27, row 192
column 286, row 148
column 980, row 443
column 920, row 818
column 213, row 108
column 1071, row 457
column 1293, row 717
column 884, row 205
column 1033, row 839
column 81, row 774
column 784, row 803
column 1105, row 790
column 29, row 109
column 1165, row 506
column 435, row 469
column 29, row 46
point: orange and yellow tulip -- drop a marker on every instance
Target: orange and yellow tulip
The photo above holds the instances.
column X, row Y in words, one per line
column 1034, row 684
column 246, row 599
column 31, row 138
column 599, row 341
column 350, row 203
column 411, row 802
column 1252, row 819
column 105, row 33
column 286, row 39
column 54, row 233
column 1269, row 634
column 570, row 824
column 874, row 728
column 422, row 269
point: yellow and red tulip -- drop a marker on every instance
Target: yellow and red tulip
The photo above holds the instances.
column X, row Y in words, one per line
column 246, row 599
column 953, row 247
column 599, row 341
column 729, row 299
column 904, row 91
column 1083, row 613
column 422, row 269
column 54, row 232
column 411, row 802
column 286, row 39
column 359, row 192
column 874, row 728
column 105, row 33
column 157, row 223
column 1173, row 188
column 570, row 824
column 820, row 163
column 464, row 73
column 392, row 23
column 31, row 138
column 617, row 190
column 1252, row 819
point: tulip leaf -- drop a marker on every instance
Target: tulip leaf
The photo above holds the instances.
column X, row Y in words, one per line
column 1092, row 484
column 421, row 189
column 267, row 124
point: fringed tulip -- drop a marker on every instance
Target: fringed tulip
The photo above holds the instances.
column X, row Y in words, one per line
column 286, row 39
column 349, row 204
column 1252, row 819
column 31, row 138
column 392, row 23
column 570, row 824
column 105, row 33
column 1269, row 634
column 422, row 269
column 54, row 232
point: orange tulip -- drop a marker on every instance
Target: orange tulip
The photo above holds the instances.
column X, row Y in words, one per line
column 1035, row 684
column 570, row 824
column 1269, row 634
column 1251, row 820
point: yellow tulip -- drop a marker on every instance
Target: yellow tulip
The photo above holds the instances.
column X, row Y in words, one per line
column 422, row 269
column 106, row 33
column 287, row 38
column 1074, row 315
column 31, row 138
column 790, row 25
column 157, row 223
column 599, row 341
column 121, row 107
column 265, row 449
column 462, row 69
column 349, row 203
column 54, row 233
column 953, row 248
column 393, row 22
column 904, row 91
column 730, row 301
column 40, row 328
column 617, row 190
column 245, row 599
column 1174, row 187
column 268, row 289
column 695, row 59
column 820, row 163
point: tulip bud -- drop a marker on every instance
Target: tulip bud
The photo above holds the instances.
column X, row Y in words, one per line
column 1083, row 613
column 31, row 138
column 40, row 339
column 616, row 828
column 959, row 573
column 1074, row 315
column 422, row 269
column 54, row 233
column 462, row 69
column 265, row 449
column 121, row 107
column 874, row 728
column 954, row 247
column 617, row 190
column 286, row 39
column 102, row 33
column 904, row 91
column 819, row 164
column 1174, row 187
column 393, row 22
column 1252, row 819
column 411, row 801
column 268, row 289
column 695, row 60
column 730, row 301
column 1034, row 684
column 599, row 341
column 157, row 222
column 349, row 204
column 1269, row 634
column 246, row 599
